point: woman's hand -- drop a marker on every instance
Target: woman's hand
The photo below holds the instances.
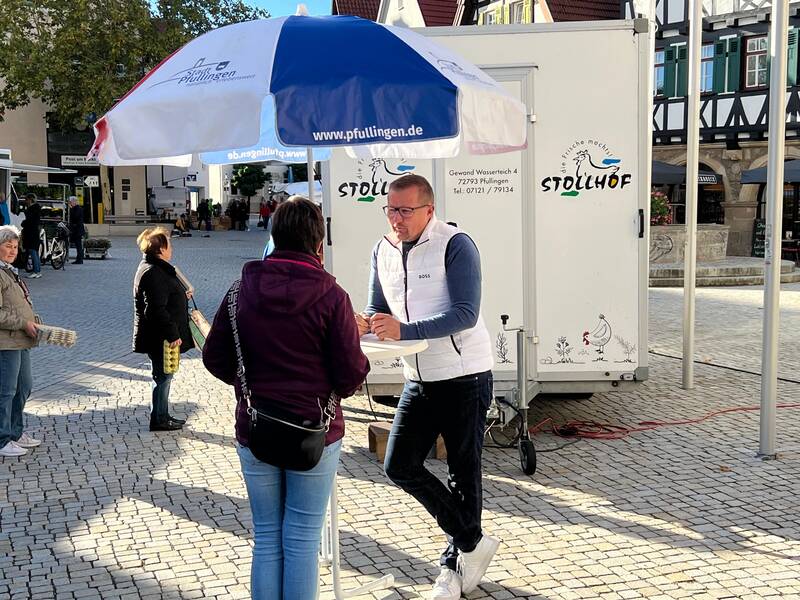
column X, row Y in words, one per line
column 175, row 343
column 31, row 329
column 189, row 295
column 362, row 321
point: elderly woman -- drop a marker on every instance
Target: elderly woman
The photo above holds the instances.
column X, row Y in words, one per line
column 17, row 337
column 161, row 314
column 301, row 351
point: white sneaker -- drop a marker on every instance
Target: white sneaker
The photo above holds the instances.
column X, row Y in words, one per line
column 27, row 441
column 472, row 565
column 447, row 586
column 11, row 449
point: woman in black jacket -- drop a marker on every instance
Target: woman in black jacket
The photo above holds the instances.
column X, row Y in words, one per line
column 30, row 233
column 161, row 313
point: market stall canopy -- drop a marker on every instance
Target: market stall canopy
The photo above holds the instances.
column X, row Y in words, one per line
column 297, row 188
column 791, row 173
column 20, row 167
column 666, row 174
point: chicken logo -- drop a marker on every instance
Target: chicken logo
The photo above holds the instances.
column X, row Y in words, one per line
column 599, row 338
column 378, row 185
column 596, row 168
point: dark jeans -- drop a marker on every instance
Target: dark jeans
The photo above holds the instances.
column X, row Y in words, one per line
column 78, row 241
column 161, row 383
column 456, row 409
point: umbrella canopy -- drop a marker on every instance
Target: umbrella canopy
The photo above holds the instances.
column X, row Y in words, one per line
column 791, row 173
column 665, row 174
column 267, row 148
column 342, row 81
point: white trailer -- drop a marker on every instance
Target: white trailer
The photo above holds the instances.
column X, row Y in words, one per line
column 562, row 226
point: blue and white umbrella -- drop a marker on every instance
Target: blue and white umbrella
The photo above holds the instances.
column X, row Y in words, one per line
column 268, row 147
column 336, row 81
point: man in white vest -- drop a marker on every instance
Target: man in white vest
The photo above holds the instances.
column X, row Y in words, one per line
column 425, row 283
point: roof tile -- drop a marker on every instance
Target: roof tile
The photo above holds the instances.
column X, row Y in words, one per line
column 584, row 10
column 366, row 9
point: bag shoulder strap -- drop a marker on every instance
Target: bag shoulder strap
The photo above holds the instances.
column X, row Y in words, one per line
column 233, row 306
column 327, row 412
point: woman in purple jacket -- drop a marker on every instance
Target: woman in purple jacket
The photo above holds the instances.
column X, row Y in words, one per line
column 299, row 342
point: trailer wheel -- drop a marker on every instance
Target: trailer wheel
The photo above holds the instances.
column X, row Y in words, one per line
column 527, row 457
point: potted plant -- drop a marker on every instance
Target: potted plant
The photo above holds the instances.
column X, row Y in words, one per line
column 660, row 213
column 96, row 247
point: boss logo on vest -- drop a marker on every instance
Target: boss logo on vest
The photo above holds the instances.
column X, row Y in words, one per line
column 425, row 276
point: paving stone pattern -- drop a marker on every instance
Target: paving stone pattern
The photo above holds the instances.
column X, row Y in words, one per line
column 105, row 509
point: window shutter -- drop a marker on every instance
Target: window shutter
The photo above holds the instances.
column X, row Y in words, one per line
column 720, row 54
column 498, row 14
column 734, row 64
column 480, row 18
column 507, row 13
column 682, row 83
column 669, row 72
column 526, row 12
column 791, row 62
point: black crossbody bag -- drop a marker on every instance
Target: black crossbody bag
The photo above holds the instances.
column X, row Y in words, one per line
column 278, row 437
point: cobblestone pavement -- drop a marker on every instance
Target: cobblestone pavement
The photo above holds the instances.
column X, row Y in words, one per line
column 105, row 509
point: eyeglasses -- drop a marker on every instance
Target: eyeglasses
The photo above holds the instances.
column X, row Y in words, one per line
column 404, row 211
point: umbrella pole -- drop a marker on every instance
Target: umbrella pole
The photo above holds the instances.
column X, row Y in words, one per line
column 310, row 177
column 774, row 228
column 692, row 167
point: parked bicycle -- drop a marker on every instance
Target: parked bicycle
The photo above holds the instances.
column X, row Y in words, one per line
column 53, row 248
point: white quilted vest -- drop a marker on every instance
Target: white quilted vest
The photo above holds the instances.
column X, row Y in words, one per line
column 419, row 292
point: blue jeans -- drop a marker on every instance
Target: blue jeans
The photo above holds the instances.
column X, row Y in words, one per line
column 456, row 410
column 37, row 263
column 161, row 383
column 16, row 381
column 288, row 513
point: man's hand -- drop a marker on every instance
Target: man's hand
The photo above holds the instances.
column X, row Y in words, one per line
column 386, row 327
column 189, row 295
column 175, row 343
column 362, row 321
column 31, row 329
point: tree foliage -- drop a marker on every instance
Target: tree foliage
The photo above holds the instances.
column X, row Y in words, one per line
column 248, row 179
column 80, row 56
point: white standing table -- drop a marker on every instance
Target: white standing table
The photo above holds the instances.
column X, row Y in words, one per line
column 374, row 349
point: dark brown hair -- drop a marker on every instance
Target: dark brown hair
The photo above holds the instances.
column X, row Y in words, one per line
column 153, row 240
column 417, row 181
column 297, row 225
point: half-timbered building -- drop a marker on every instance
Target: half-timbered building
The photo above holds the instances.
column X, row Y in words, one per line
column 734, row 80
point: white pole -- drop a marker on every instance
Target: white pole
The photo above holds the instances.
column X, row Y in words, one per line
column 692, row 160
column 310, row 167
column 774, row 229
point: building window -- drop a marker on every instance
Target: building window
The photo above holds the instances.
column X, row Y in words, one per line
column 707, row 68
column 488, row 17
column 517, row 12
column 756, row 62
column 658, row 73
